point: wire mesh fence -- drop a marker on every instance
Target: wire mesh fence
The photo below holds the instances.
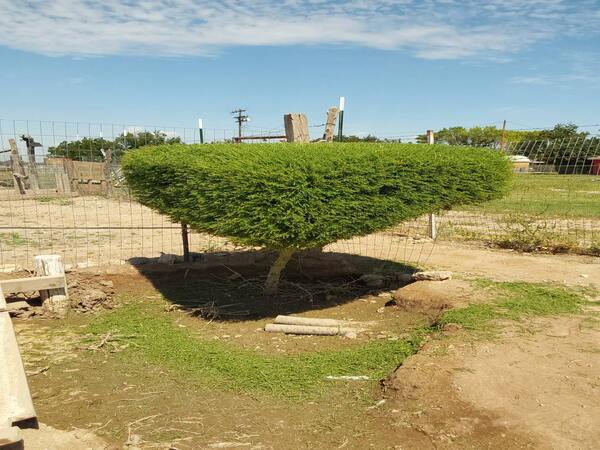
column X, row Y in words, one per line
column 67, row 196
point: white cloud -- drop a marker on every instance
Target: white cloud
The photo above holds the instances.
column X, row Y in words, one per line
column 530, row 80
column 433, row 29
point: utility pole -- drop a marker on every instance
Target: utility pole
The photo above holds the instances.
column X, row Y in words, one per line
column 240, row 118
column 432, row 218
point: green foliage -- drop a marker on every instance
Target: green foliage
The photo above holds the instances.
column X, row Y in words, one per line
column 367, row 138
column 12, row 239
column 92, row 149
column 560, row 146
column 491, row 136
column 156, row 339
column 308, row 195
column 515, row 301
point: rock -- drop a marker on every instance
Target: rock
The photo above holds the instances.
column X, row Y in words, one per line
column 106, row 283
column 391, row 302
column 451, row 328
column 167, row 258
column 17, row 306
column 372, row 280
column 432, row 296
column 138, row 261
column 96, row 295
column 432, row 275
column 385, row 295
column 27, row 313
column 57, row 306
column 404, row 277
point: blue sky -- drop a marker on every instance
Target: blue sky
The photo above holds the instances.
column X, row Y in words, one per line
column 403, row 66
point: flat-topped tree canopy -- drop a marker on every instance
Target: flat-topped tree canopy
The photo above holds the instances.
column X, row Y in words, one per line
column 296, row 196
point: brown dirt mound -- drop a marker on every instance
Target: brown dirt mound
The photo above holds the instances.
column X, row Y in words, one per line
column 432, row 297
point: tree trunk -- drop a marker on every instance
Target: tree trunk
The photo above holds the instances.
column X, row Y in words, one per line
column 275, row 273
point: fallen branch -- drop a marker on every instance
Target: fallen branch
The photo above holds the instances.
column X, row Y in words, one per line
column 37, row 372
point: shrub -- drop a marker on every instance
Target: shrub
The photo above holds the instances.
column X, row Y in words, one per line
column 288, row 197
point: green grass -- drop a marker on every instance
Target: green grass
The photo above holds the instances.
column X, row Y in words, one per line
column 515, row 301
column 157, row 340
column 56, row 201
column 12, row 239
column 549, row 195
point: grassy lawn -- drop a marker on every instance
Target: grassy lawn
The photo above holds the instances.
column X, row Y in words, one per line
column 549, row 196
column 514, row 301
column 157, row 340
column 154, row 338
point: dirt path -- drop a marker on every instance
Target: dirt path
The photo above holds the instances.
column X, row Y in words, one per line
column 504, row 265
column 537, row 386
column 546, row 384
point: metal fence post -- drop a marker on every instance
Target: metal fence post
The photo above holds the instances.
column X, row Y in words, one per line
column 432, row 218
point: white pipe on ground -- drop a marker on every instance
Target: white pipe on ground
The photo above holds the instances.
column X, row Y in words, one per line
column 292, row 320
column 307, row 329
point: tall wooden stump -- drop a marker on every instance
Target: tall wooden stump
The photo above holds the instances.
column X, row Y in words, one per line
column 296, row 127
column 54, row 301
column 330, row 124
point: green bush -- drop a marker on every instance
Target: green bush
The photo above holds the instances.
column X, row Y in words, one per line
column 289, row 197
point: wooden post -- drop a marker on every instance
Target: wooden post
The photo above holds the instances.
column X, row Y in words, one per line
column 55, row 301
column 16, row 406
column 432, row 218
column 296, row 127
column 17, row 167
column 330, row 124
column 186, row 242
column 430, row 138
column 503, row 136
column 108, row 172
column 32, row 172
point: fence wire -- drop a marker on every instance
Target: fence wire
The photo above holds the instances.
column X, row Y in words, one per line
column 83, row 210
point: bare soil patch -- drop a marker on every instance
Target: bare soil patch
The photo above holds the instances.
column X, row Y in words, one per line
column 535, row 385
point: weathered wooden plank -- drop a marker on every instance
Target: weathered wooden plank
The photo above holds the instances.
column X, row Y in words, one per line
column 296, row 127
column 33, row 284
column 16, row 406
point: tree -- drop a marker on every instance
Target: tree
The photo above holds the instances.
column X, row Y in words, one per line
column 367, row 138
column 491, row 136
column 289, row 197
column 92, row 149
column 560, row 146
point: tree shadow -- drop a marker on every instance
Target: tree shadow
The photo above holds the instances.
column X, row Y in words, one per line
column 229, row 286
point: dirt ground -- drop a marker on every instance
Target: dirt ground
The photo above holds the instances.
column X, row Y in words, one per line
column 525, row 389
column 96, row 231
column 533, row 385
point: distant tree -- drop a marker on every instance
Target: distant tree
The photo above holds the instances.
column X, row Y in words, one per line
column 93, row 149
column 560, row 146
column 367, row 138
